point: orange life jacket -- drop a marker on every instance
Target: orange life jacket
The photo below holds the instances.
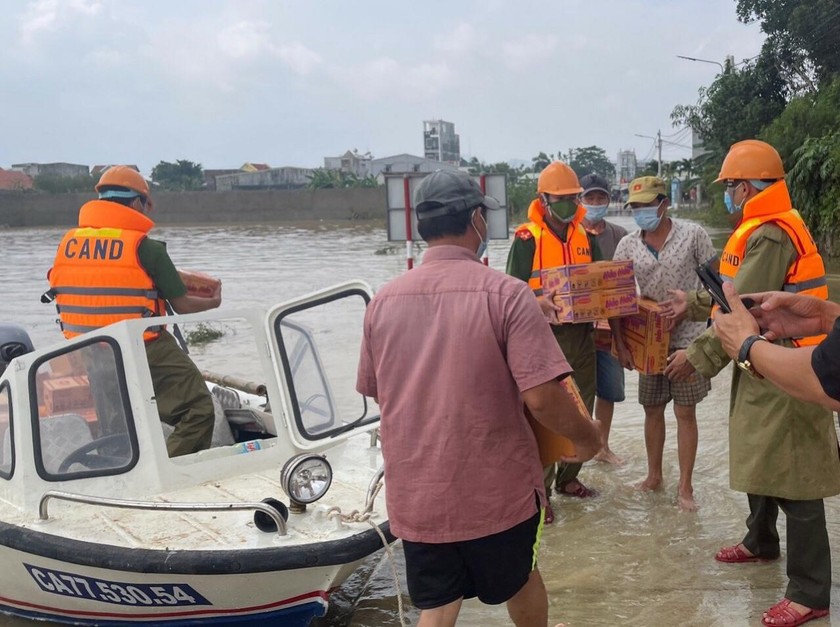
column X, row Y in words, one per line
column 807, row 273
column 97, row 278
column 551, row 251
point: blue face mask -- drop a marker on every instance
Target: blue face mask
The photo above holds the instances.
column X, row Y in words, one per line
column 595, row 213
column 647, row 218
column 727, row 200
column 482, row 247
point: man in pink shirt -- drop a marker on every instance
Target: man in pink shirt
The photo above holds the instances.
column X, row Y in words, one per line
column 451, row 350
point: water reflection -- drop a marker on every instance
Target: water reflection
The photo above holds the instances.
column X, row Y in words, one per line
column 625, row 558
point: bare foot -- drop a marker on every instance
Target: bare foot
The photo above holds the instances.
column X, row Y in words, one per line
column 607, row 456
column 685, row 502
column 650, row 484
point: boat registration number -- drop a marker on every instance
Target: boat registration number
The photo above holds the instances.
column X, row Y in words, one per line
column 117, row 592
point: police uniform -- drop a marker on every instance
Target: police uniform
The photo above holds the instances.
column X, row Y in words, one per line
column 108, row 270
column 537, row 245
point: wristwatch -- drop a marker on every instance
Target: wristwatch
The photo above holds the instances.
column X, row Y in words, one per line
column 743, row 360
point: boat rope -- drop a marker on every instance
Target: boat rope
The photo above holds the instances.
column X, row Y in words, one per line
column 364, row 516
column 390, row 553
column 355, row 515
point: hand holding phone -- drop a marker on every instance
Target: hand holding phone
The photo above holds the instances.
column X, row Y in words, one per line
column 714, row 285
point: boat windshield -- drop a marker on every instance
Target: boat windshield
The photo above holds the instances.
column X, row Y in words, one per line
column 319, row 347
column 6, row 433
column 81, row 414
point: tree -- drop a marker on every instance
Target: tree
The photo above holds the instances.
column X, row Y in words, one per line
column 541, row 161
column 591, row 159
column 815, row 187
column 738, row 105
column 810, row 115
column 180, row 176
column 64, row 184
column 322, row 178
column 802, row 35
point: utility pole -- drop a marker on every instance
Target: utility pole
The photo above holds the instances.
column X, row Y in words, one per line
column 658, row 144
column 659, row 152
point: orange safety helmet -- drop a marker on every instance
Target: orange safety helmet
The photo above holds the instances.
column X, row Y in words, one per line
column 751, row 159
column 123, row 176
column 558, row 179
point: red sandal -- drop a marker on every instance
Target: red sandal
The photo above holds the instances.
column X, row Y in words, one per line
column 580, row 492
column 736, row 555
column 784, row 615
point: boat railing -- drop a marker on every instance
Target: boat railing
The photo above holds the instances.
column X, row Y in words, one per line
column 268, row 510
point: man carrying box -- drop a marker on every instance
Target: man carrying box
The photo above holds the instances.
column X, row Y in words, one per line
column 554, row 236
column 99, row 270
column 665, row 252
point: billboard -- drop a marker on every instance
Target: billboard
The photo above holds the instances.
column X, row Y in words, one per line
column 495, row 185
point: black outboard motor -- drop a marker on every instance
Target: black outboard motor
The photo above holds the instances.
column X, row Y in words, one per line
column 14, row 342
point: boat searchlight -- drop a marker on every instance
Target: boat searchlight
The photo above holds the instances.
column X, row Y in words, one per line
column 305, row 479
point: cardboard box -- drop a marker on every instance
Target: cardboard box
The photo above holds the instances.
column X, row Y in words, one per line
column 596, row 305
column 551, row 446
column 586, row 277
column 603, row 336
column 199, row 284
column 66, row 394
column 67, row 365
column 646, row 336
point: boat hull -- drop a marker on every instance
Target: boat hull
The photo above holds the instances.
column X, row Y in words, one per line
column 80, row 583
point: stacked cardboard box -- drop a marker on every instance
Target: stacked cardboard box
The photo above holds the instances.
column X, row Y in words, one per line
column 66, row 394
column 647, row 337
column 588, row 292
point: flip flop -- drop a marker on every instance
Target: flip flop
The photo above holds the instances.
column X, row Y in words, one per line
column 736, row 555
column 785, row 616
column 548, row 517
column 580, row 492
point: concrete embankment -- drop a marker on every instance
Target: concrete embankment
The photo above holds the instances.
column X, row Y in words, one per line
column 234, row 207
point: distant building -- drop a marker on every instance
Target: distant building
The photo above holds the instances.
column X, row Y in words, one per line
column 441, row 142
column 351, row 162
column 698, row 149
column 210, row 176
column 14, row 181
column 70, row 170
column 405, row 164
column 626, row 167
column 272, row 178
column 255, row 167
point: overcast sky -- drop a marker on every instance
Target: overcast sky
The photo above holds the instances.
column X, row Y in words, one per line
column 222, row 82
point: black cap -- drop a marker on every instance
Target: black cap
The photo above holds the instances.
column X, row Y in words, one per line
column 445, row 192
column 592, row 182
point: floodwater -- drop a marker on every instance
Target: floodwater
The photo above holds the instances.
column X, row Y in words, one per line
column 623, row 558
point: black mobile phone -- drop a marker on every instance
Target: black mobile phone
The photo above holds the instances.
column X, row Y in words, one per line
column 714, row 285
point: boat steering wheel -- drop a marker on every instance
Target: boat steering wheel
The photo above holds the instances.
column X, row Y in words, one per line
column 82, row 455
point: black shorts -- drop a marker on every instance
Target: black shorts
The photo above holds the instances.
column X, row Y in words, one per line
column 493, row 568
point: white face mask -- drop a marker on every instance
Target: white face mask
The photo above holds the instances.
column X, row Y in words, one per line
column 484, row 240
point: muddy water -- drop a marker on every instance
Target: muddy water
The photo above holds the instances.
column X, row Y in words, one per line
column 624, row 558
